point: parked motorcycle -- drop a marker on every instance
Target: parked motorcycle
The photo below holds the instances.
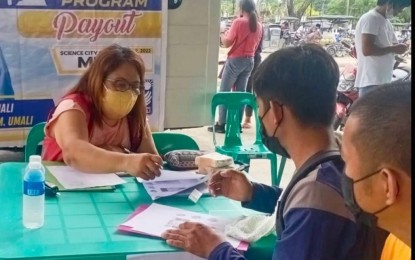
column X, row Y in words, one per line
column 347, row 93
column 339, row 49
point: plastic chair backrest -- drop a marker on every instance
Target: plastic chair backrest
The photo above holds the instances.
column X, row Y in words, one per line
column 234, row 101
column 166, row 142
column 35, row 136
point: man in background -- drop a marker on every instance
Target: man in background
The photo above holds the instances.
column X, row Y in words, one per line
column 376, row 45
column 314, row 35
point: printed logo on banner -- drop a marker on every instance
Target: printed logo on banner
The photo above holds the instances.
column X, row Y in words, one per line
column 74, row 60
column 148, row 86
column 55, row 41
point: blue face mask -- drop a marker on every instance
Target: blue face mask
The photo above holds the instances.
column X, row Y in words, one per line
column 369, row 219
column 271, row 142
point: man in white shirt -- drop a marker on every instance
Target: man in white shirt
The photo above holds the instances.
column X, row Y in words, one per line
column 376, row 45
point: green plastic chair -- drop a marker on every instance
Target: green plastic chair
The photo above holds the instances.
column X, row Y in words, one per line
column 166, row 142
column 35, row 136
column 232, row 146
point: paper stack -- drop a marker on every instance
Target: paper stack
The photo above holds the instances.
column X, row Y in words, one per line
column 68, row 178
column 174, row 182
column 155, row 219
column 212, row 162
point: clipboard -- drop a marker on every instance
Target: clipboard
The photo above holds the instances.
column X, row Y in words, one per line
column 50, row 178
column 243, row 246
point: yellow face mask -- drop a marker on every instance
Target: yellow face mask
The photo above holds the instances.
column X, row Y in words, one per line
column 117, row 104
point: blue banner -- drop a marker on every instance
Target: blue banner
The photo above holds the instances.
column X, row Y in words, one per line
column 24, row 113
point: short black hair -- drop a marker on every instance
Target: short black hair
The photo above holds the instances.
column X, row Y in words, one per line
column 400, row 3
column 318, row 25
column 303, row 78
column 383, row 134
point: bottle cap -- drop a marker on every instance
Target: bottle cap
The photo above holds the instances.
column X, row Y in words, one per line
column 35, row 159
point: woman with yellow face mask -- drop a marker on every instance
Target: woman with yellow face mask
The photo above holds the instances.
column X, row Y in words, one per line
column 99, row 121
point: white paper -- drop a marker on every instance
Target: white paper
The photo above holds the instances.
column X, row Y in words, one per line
column 157, row 218
column 173, row 182
column 164, row 256
column 167, row 175
column 72, row 179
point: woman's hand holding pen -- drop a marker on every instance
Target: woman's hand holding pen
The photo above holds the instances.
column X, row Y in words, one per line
column 231, row 184
column 144, row 165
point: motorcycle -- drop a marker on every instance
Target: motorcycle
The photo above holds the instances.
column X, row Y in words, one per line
column 347, row 93
column 338, row 49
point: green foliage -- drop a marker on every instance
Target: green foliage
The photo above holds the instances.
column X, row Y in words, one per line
column 358, row 7
column 227, row 7
column 404, row 16
column 271, row 8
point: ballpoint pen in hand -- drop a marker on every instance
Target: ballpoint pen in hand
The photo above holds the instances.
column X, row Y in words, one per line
column 242, row 167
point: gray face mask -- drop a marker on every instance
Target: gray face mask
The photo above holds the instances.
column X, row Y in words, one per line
column 363, row 217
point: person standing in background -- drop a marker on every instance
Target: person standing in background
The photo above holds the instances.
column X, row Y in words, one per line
column 376, row 45
column 314, row 35
column 244, row 36
column 249, row 87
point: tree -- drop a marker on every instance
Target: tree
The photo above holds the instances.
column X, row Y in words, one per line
column 297, row 8
column 226, row 8
column 269, row 9
column 358, row 7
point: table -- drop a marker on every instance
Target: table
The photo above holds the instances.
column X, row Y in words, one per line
column 81, row 225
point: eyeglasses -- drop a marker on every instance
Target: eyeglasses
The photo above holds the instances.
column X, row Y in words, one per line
column 123, row 85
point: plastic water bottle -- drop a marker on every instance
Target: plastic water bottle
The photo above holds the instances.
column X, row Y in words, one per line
column 34, row 193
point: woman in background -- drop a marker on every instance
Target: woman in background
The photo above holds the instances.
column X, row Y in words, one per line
column 103, row 118
column 244, row 36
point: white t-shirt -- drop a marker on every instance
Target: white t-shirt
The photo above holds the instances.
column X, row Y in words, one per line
column 374, row 70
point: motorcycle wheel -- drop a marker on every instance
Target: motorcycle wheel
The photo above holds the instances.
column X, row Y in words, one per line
column 401, row 73
column 332, row 51
column 340, row 54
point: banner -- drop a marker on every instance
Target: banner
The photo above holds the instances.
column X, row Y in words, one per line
column 45, row 45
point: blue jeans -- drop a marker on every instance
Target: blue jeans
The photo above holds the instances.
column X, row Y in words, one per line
column 364, row 90
column 236, row 73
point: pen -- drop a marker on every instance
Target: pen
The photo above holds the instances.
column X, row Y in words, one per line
column 242, row 168
column 160, row 166
column 129, row 152
column 51, row 190
column 125, row 150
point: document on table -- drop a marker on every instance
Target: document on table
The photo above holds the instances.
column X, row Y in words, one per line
column 70, row 178
column 173, row 182
column 157, row 218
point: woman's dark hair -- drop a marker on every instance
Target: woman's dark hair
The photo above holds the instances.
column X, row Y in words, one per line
column 91, row 83
column 248, row 6
column 302, row 78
